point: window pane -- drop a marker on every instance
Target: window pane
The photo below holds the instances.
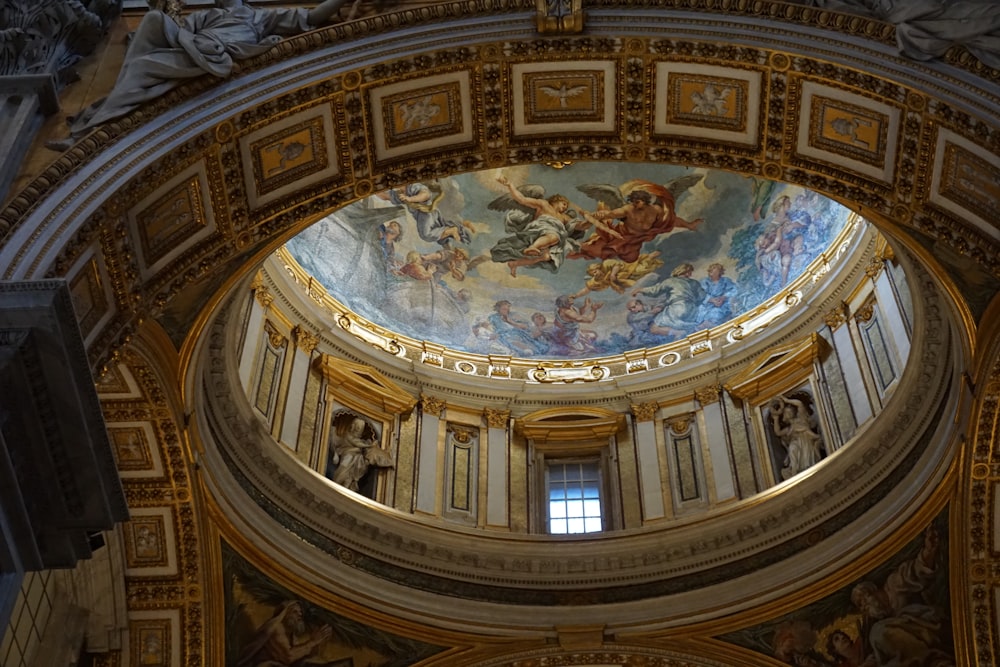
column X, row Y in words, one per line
column 574, row 495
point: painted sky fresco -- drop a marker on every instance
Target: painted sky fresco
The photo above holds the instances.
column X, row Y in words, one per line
column 898, row 614
column 630, row 256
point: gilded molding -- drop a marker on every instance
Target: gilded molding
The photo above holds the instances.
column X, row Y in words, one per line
column 432, row 405
column 645, row 412
column 559, row 17
column 496, row 418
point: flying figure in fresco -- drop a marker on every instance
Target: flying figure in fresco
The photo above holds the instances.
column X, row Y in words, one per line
column 422, row 201
column 618, row 275
column 640, row 211
column 540, row 230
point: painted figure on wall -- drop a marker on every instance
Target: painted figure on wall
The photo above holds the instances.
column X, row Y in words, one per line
column 541, row 230
column 682, row 299
column 642, row 211
column 268, row 625
column 896, row 615
column 354, row 448
column 284, row 641
column 798, row 428
column 438, row 275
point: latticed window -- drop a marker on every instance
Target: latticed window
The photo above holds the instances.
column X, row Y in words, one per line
column 574, row 493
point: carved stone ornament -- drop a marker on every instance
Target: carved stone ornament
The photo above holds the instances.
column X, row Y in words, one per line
column 496, row 418
column 680, row 425
column 645, row 412
column 867, row 310
column 837, row 316
column 433, row 406
column 708, row 395
column 304, row 339
column 461, row 435
column 874, row 267
column 51, row 35
column 264, row 297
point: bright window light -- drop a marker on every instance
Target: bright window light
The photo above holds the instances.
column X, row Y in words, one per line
column 574, row 491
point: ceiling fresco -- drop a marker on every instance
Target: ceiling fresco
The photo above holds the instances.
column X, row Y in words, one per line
column 586, row 260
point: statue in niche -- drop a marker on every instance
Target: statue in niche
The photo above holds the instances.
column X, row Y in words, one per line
column 798, row 428
column 353, row 450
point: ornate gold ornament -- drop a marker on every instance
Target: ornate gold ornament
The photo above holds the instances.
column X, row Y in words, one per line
column 837, row 316
column 567, row 374
column 708, row 395
column 559, row 17
column 680, row 425
column 496, row 418
column 867, row 310
column 264, row 297
column 874, row 267
column 645, row 412
column 432, row 406
column 304, row 339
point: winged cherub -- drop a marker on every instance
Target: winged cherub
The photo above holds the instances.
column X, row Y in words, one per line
column 642, row 211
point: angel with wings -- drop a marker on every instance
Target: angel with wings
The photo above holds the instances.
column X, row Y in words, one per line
column 639, row 210
column 540, row 230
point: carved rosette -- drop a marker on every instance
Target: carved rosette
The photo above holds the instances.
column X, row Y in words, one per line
column 645, row 412
column 496, row 418
column 432, row 406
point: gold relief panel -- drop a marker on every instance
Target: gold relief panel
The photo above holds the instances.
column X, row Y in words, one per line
column 172, row 219
column 431, row 112
column 560, row 97
column 966, row 180
column 847, row 129
column 90, row 292
column 117, row 383
column 707, row 102
column 422, row 113
column 155, row 638
column 150, row 546
column 289, row 154
column 135, row 449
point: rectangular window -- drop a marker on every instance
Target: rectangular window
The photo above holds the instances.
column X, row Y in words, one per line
column 574, row 496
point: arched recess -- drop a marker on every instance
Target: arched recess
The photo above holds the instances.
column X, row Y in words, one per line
column 79, row 220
